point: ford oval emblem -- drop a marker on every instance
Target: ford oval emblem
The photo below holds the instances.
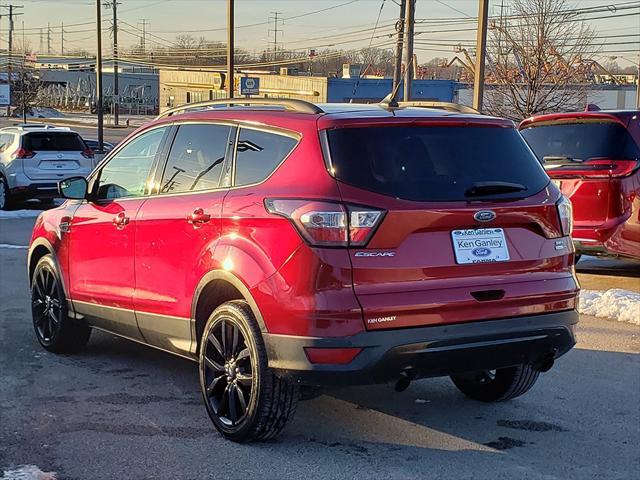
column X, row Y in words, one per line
column 481, row 252
column 485, row 215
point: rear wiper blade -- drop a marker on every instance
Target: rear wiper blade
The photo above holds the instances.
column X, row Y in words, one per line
column 488, row 188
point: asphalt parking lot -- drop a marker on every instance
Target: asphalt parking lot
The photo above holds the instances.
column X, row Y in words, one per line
column 121, row 410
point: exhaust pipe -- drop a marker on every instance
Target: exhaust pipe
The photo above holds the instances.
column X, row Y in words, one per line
column 403, row 382
column 545, row 363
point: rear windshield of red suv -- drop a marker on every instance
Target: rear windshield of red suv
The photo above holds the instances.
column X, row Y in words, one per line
column 581, row 141
column 50, row 141
column 423, row 163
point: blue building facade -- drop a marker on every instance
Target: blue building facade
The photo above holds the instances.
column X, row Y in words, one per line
column 372, row 90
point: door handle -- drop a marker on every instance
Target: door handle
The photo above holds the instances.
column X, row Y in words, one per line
column 121, row 221
column 198, row 217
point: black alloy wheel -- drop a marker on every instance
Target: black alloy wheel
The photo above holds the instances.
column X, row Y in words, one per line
column 46, row 305
column 55, row 330
column 244, row 398
column 228, row 372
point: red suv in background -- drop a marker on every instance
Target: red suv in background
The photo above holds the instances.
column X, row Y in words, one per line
column 285, row 246
column 594, row 158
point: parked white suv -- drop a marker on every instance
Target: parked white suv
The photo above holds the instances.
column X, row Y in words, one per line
column 33, row 158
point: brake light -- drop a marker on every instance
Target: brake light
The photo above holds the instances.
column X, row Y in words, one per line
column 23, row 153
column 88, row 153
column 565, row 213
column 328, row 224
column 597, row 168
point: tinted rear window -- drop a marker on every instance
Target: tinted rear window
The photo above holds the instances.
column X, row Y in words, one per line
column 49, row 141
column 581, row 141
column 433, row 163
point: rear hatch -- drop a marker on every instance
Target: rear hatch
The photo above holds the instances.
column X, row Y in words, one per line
column 586, row 158
column 54, row 155
column 469, row 229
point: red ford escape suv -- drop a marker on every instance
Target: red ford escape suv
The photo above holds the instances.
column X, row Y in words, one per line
column 285, row 246
column 594, row 158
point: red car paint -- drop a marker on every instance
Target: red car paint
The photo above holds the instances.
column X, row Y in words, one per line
column 148, row 256
column 605, row 190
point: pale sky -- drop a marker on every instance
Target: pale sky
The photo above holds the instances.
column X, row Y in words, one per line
column 345, row 24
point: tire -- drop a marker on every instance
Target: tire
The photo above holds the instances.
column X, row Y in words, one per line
column 497, row 385
column 245, row 400
column 55, row 330
column 5, row 198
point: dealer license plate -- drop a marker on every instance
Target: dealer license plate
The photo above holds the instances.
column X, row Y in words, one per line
column 484, row 245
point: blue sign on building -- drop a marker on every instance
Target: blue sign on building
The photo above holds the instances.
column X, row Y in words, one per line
column 249, row 86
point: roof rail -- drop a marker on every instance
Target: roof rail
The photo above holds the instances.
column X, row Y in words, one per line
column 448, row 106
column 294, row 105
column 44, row 126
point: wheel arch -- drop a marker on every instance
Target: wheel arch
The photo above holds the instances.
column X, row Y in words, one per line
column 215, row 288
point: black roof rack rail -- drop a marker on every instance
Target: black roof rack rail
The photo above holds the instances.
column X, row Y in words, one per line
column 294, row 105
column 448, row 106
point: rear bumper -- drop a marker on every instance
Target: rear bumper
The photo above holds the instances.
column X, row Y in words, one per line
column 36, row 190
column 428, row 351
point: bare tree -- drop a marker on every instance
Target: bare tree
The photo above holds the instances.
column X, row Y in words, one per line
column 540, row 58
column 25, row 90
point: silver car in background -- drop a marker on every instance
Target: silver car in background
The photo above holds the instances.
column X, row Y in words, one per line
column 34, row 157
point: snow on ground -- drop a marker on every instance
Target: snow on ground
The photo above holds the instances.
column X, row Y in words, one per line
column 28, row 472
column 12, row 214
column 616, row 304
column 13, row 247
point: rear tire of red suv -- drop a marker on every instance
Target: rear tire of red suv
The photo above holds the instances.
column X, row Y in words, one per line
column 497, row 385
column 245, row 400
column 55, row 330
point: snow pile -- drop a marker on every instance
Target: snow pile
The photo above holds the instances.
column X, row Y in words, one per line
column 617, row 304
column 12, row 214
column 28, row 472
column 13, row 247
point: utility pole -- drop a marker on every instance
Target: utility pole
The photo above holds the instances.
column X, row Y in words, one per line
column 143, row 38
column 397, row 71
column 116, row 91
column 10, row 50
column 99, row 76
column 409, row 20
column 48, row 39
column 230, row 47
column 481, row 52
column 62, row 38
column 274, row 17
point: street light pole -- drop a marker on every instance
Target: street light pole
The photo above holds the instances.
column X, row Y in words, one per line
column 481, row 52
column 99, row 76
column 230, row 48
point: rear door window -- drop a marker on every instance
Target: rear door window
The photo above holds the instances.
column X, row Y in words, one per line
column 567, row 143
column 258, row 154
column 439, row 163
column 53, row 141
column 196, row 158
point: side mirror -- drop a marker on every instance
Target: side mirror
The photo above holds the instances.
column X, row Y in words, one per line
column 74, row 188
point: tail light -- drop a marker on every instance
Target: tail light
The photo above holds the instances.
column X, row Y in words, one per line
column 328, row 224
column 333, row 356
column 88, row 153
column 565, row 213
column 23, row 153
column 597, row 168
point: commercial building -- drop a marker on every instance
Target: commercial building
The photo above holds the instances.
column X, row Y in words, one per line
column 178, row 87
